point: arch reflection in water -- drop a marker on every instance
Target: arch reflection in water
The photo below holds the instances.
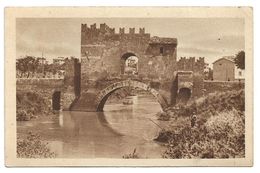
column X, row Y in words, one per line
column 136, row 119
column 110, row 134
column 86, row 135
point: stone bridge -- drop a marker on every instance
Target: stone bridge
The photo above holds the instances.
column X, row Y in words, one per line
column 60, row 93
column 62, row 96
column 111, row 61
column 52, row 90
column 166, row 93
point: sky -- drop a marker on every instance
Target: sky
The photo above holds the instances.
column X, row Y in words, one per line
column 211, row 38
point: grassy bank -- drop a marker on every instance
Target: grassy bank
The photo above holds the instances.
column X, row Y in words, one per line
column 30, row 105
column 218, row 131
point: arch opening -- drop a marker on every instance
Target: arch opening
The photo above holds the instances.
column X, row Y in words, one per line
column 184, row 95
column 104, row 94
column 56, row 101
column 129, row 64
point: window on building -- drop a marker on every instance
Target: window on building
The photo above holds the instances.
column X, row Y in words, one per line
column 240, row 73
column 220, row 64
column 161, row 50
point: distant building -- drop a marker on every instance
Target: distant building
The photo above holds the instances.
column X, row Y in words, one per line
column 239, row 74
column 224, row 69
column 42, row 60
column 59, row 60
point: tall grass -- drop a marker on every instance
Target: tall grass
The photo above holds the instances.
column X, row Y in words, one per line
column 132, row 155
column 219, row 131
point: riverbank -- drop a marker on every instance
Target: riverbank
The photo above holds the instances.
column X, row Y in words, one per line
column 114, row 133
column 31, row 105
column 210, row 127
column 32, row 145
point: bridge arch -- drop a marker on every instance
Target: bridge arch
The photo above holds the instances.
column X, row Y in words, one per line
column 105, row 93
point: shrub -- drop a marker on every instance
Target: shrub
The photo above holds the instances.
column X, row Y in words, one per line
column 163, row 116
column 226, row 123
column 219, row 131
column 220, row 136
column 33, row 147
column 213, row 103
column 30, row 104
column 23, row 115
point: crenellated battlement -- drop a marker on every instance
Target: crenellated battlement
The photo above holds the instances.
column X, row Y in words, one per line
column 105, row 28
column 93, row 28
column 121, row 30
column 191, row 64
column 94, row 35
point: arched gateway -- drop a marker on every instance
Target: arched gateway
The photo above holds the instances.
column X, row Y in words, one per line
column 105, row 93
column 108, row 56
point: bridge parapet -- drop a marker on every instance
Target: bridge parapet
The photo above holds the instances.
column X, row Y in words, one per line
column 41, row 82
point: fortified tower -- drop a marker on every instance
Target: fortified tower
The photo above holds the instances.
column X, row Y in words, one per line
column 105, row 55
column 104, row 52
column 110, row 61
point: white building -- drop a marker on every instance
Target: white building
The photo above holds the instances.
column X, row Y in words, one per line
column 239, row 74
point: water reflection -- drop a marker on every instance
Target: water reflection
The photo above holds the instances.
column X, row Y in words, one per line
column 109, row 134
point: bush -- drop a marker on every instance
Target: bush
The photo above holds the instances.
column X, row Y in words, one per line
column 163, row 116
column 30, row 104
column 213, row 103
column 165, row 135
column 222, row 136
column 226, row 123
column 23, row 115
column 33, row 147
column 219, row 130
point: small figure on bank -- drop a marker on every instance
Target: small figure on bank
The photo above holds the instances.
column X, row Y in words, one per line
column 193, row 119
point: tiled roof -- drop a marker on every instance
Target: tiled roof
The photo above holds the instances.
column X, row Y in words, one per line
column 229, row 58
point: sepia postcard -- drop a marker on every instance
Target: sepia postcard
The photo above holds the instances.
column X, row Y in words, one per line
column 129, row 86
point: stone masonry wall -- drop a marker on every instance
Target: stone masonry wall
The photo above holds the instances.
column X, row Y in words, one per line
column 102, row 50
column 197, row 67
column 69, row 87
column 44, row 87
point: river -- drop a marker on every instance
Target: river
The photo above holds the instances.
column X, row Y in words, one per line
column 110, row 134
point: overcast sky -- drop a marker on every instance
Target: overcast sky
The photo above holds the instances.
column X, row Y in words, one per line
column 209, row 38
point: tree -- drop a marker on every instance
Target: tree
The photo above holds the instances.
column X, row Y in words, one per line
column 240, row 60
column 26, row 65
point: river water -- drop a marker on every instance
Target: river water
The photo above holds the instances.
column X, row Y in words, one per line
column 110, row 134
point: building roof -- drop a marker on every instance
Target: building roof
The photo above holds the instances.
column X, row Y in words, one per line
column 163, row 40
column 229, row 58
